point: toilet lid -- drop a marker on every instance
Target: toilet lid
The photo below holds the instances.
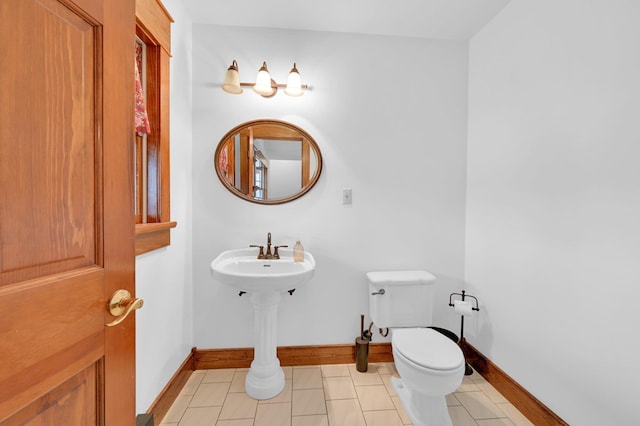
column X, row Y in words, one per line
column 427, row 348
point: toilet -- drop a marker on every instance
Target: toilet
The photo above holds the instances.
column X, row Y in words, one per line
column 430, row 364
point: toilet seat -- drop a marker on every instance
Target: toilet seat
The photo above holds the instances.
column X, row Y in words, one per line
column 428, row 349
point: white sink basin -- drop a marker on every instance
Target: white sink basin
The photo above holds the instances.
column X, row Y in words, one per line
column 265, row 280
column 241, row 269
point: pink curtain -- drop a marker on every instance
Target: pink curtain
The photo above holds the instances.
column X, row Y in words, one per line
column 142, row 120
column 224, row 162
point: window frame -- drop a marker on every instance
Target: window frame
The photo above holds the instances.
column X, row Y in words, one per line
column 153, row 27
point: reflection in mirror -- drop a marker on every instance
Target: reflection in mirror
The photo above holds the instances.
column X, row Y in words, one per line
column 268, row 161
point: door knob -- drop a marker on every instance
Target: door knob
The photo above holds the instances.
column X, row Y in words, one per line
column 121, row 305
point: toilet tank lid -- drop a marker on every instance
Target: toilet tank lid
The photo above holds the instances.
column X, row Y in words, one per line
column 400, row 277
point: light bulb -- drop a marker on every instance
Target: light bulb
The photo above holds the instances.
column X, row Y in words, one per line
column 263, row 82
column 294, row 83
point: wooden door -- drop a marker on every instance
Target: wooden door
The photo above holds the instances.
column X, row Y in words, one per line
column 66, row 211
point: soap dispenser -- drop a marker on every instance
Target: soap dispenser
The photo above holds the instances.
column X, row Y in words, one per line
column 298, row 252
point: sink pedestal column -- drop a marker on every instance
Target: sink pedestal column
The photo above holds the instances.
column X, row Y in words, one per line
column 265, row 378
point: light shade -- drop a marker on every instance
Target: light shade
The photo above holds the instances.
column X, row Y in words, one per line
column 232, row 80
column 263, row 82
column 294, row 83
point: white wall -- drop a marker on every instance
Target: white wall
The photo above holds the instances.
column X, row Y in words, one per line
column 285, row 177
column 389, row 115
column 164, row 326
column 553, row 204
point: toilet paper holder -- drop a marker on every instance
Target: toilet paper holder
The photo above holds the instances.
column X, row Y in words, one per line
column 468, row 370
column 463, row 295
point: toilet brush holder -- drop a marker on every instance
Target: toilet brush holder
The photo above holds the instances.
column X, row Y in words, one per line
column 362, row 349
column 362, row 354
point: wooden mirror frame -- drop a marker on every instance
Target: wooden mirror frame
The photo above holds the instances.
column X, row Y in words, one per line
column 284, row 131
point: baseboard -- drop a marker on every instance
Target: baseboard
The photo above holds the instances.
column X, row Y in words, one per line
column 290, row 355
column 204, row 359
column 538, row 413
column 170, row 392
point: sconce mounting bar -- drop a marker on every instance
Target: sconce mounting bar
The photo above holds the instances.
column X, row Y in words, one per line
column 274, row 85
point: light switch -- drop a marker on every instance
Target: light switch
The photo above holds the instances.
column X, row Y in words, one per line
column 346, row 196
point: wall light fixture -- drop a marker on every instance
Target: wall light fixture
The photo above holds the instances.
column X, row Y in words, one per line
column 264, row 86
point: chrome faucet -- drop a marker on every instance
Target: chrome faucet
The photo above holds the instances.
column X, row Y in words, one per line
column 268, row 254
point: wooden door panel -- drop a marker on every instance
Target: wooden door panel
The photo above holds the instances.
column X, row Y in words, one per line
column 74, row 401
column 63, row 325
column 48, row 170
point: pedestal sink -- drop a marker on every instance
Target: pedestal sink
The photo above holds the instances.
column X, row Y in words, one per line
column 265, row 280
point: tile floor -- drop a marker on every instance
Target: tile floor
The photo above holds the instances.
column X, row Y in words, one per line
column 323, row 395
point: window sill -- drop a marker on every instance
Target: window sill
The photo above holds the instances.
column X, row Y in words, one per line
column 152, row 236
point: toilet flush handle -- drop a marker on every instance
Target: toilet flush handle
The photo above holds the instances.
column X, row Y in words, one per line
column 381, row 292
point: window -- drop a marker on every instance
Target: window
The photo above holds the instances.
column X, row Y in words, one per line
column 152, row 200
column 259, row 178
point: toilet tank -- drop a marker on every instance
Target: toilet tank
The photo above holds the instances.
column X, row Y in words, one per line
column 407, row 300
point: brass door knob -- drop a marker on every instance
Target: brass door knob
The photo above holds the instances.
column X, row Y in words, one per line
column 121, row 305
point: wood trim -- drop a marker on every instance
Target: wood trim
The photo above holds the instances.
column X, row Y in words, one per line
column 160, row 407
column 152, row 236
column 158, row 166
column 154, row 29
column 306, row 163
column 154, row 18
column 331, row 354
column 163, row 177
column 223, row 358
column 538, row 413
column 148, row 228
column 290, row 355
column 138, row 178
column 244, row 161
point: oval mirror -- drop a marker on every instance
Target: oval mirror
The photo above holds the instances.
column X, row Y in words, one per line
column 268, row 161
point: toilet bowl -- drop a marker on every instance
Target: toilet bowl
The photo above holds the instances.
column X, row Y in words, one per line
column 430, row 365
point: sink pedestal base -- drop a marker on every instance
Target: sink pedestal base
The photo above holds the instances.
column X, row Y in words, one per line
column 264, row 384
column 265, row 378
